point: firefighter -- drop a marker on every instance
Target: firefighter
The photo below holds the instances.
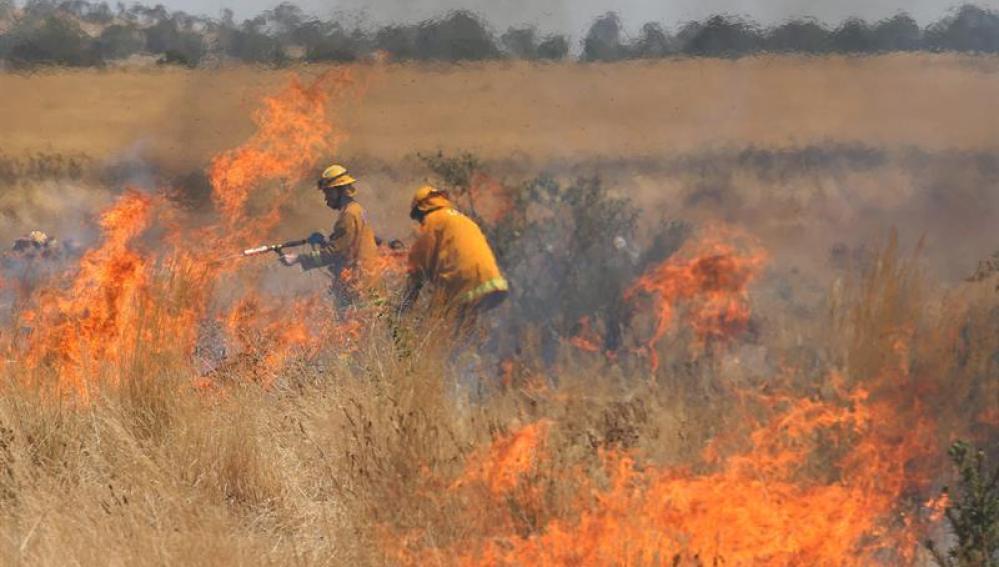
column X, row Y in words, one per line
column 452, row 255
column 32, row 247
column 35, row 244
column 350, row 253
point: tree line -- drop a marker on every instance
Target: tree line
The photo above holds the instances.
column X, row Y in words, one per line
column 84, row 33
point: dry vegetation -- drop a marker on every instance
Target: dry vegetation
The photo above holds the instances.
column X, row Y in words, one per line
column 810, row 376
column 544, row 112
column 350, row 461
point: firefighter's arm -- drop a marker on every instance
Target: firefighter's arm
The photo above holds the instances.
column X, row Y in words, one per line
column 345, row 232
column 420, row 265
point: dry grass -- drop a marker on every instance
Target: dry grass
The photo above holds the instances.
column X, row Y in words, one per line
column 580, row 112
column 347, row 459
column 342, row 458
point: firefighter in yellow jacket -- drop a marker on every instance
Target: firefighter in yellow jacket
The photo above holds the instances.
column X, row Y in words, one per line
column 350, row 253
column 452, row 255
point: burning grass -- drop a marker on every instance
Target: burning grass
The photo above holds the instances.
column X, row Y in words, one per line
column 372, row 459
column 161, row 407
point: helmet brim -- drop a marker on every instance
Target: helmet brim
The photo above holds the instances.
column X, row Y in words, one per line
column 337, row 182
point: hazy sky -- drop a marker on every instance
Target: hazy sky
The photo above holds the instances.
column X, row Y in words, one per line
column 575, row 16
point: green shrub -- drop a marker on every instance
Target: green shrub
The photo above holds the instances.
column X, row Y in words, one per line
column 973, row 511
column 560, row 244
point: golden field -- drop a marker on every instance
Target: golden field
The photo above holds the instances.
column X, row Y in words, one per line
column 571, row 111
column 762, row 373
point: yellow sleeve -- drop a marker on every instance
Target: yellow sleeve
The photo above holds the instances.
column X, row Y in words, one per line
column 340, row 247
column 421, row 259
column 421, row 264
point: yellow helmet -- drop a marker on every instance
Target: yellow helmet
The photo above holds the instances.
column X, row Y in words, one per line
column 428, row 198
column 38, row 237
column 421, row 194
column 335, row 176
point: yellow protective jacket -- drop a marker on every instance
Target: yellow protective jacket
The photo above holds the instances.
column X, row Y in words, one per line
column 453, row 255
column 351, row 247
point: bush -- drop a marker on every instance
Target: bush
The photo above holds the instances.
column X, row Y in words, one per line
column 603, row 40
column 178, row 45
column 460, row 36
column 971, row 29
column 805, row 36
column 559, row 244
column 120, row 41
column 53, row 40
column 853, row 36
column 899, row 33
column 553, row 48
column 653, row 42
column 398, row 41
column 722, row 36
column 973, row 513
column 337, row 45
column 520, row 43
column 252, row 46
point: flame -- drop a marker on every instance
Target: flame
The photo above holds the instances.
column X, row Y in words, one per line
column 762, row 506
column 122, row 299
column 586, row 339
column 711, row 277
column 270, row 331
column 293, row 131
column 813, row 482
column 502, row 465
column 91, row 323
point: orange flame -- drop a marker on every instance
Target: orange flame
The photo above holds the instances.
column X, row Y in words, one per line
column 760, row 507
column 502, row 465
column 586, row 339
column 118, row 292
column 293, row 131
column 92, row 323
column 711, row 276
column 822, row 482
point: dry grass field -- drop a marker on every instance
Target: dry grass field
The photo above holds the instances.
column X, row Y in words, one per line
column 739, row 332
column 543, row 112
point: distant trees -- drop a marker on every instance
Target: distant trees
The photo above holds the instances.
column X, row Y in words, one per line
column 603, row 41
column 900, row 33
column 652, row 42
column 970, row 29
column 804, row 36
column 553, row 47
column 49, row 39
column 85, row 32
column 720, row 36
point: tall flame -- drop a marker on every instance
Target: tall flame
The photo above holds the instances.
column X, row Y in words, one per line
column 293, row 131
column 121, row 298
column 92, row 323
